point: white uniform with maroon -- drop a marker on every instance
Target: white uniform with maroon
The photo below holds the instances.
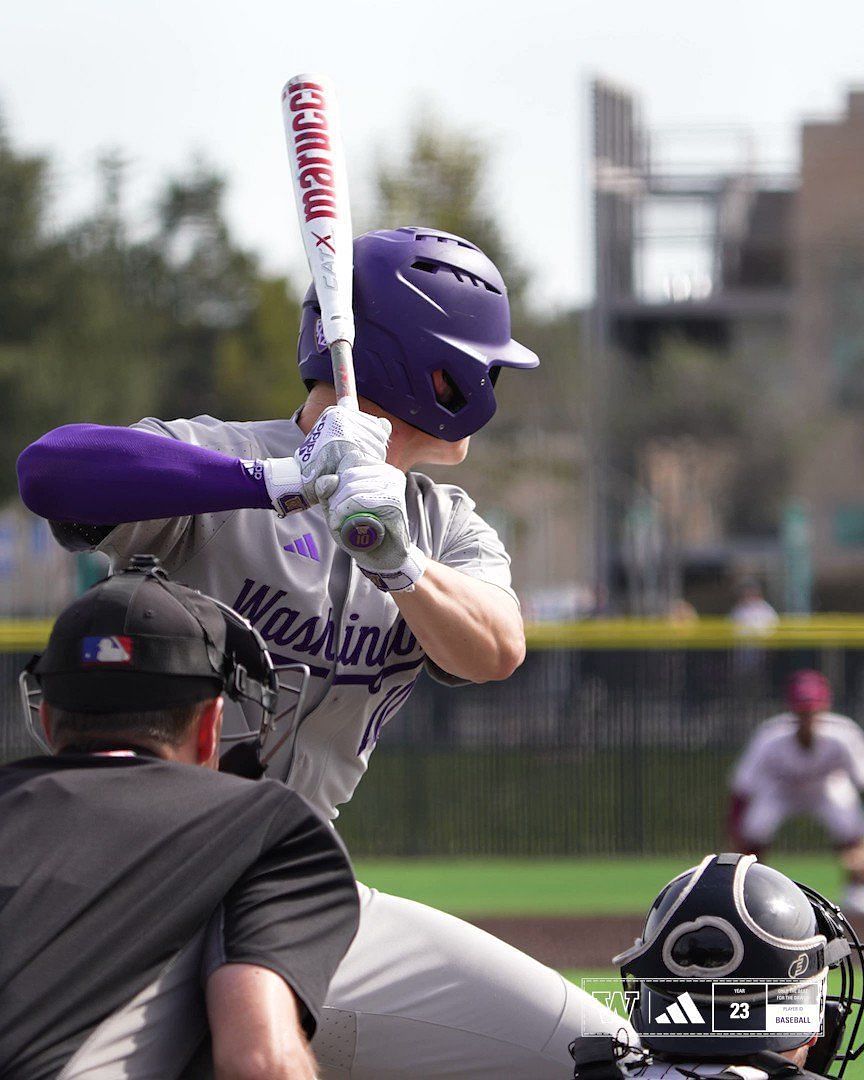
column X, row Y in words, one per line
column 781, row 778
column 420, row 994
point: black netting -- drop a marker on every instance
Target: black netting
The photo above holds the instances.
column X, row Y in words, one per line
column 591, row 752
column 14, row 740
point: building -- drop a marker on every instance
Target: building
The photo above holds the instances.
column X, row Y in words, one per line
column 828, row 332
column 703, row 247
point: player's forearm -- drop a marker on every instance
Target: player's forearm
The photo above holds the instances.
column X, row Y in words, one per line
column 99, row 475
column 255, row 1026
column 295, row 1063
column 467, row 627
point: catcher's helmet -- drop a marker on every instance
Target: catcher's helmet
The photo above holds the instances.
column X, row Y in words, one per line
column 137, row 641
column 721, row 929
column 424, row 301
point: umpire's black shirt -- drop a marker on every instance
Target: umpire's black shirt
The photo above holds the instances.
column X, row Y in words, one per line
column 110, row 864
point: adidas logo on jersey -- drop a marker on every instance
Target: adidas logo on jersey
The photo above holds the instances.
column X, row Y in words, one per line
column 304, row 546
column 682, row 1011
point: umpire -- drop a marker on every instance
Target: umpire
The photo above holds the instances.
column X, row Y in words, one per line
column 138, row 888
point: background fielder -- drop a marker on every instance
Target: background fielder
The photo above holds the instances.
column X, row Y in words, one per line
column 810, row 761
column 420, row 993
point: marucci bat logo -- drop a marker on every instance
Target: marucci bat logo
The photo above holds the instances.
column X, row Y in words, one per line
column 315, row 168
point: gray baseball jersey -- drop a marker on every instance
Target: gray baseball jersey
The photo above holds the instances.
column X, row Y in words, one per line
column 309, row 601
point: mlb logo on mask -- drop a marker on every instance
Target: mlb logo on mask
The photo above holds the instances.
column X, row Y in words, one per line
column 106, row 650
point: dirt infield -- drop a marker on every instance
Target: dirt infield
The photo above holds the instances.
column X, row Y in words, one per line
column 566, row 941
column 573, row 941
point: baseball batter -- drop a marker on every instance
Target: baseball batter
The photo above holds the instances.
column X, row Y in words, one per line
column 804, row 761
column 251, row 513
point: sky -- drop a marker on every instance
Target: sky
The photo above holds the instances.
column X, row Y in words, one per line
column 164, row 80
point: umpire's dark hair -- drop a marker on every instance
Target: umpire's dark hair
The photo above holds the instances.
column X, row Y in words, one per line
column 90, row 731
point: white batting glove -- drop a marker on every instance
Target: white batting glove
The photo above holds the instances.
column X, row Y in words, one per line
column 339, row 437
column 379, row 489
column 283, row 481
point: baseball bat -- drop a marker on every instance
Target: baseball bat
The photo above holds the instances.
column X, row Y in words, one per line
column 320, row 179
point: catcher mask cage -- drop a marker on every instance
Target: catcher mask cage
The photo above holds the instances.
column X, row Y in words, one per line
column 253, row 678
column 732, row 919
column 242, row 669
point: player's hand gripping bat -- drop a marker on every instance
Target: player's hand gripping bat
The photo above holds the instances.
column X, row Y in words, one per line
column 321, row 191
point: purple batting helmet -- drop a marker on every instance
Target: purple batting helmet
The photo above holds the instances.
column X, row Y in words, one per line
column 424, row 301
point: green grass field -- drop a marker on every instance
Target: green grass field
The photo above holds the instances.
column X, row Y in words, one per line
column 555, row 886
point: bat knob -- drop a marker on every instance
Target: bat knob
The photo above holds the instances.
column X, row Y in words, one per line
column 362, row 532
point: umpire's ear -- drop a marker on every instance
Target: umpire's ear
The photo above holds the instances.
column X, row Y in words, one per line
column 47, row 721
column 209, row 725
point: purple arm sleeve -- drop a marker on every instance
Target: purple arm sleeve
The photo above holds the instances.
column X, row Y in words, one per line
column 107, row 475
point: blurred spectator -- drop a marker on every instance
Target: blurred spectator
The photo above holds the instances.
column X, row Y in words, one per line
column 681, row 611
column 567, row 602
column 752, row 612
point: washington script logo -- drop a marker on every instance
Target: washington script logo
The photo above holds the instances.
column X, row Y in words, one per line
column 374, row 653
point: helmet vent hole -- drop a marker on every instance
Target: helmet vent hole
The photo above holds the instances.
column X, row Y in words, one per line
column 430, row 267
column 446, row 240
column 447, row 393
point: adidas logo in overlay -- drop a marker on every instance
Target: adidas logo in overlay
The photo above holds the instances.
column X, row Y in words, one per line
column 682, row 1011
column 303, row 545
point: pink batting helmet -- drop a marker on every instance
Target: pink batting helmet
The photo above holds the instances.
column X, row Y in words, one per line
column 808, row 690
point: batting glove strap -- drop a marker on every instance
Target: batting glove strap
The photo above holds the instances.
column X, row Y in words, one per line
column 402, row 580
column 284, row 484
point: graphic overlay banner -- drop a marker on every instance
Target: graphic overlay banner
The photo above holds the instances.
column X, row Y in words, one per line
column 710, row 1007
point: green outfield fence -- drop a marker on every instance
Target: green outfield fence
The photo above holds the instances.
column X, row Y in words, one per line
column 614, row 738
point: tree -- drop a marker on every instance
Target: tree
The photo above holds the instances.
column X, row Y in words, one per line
column 83, row 342
column 102, row 350
column 256, row 366
column 232, row 336
column 96, row 326
column 439, row 181
column 208, row 289
column 28, row 257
